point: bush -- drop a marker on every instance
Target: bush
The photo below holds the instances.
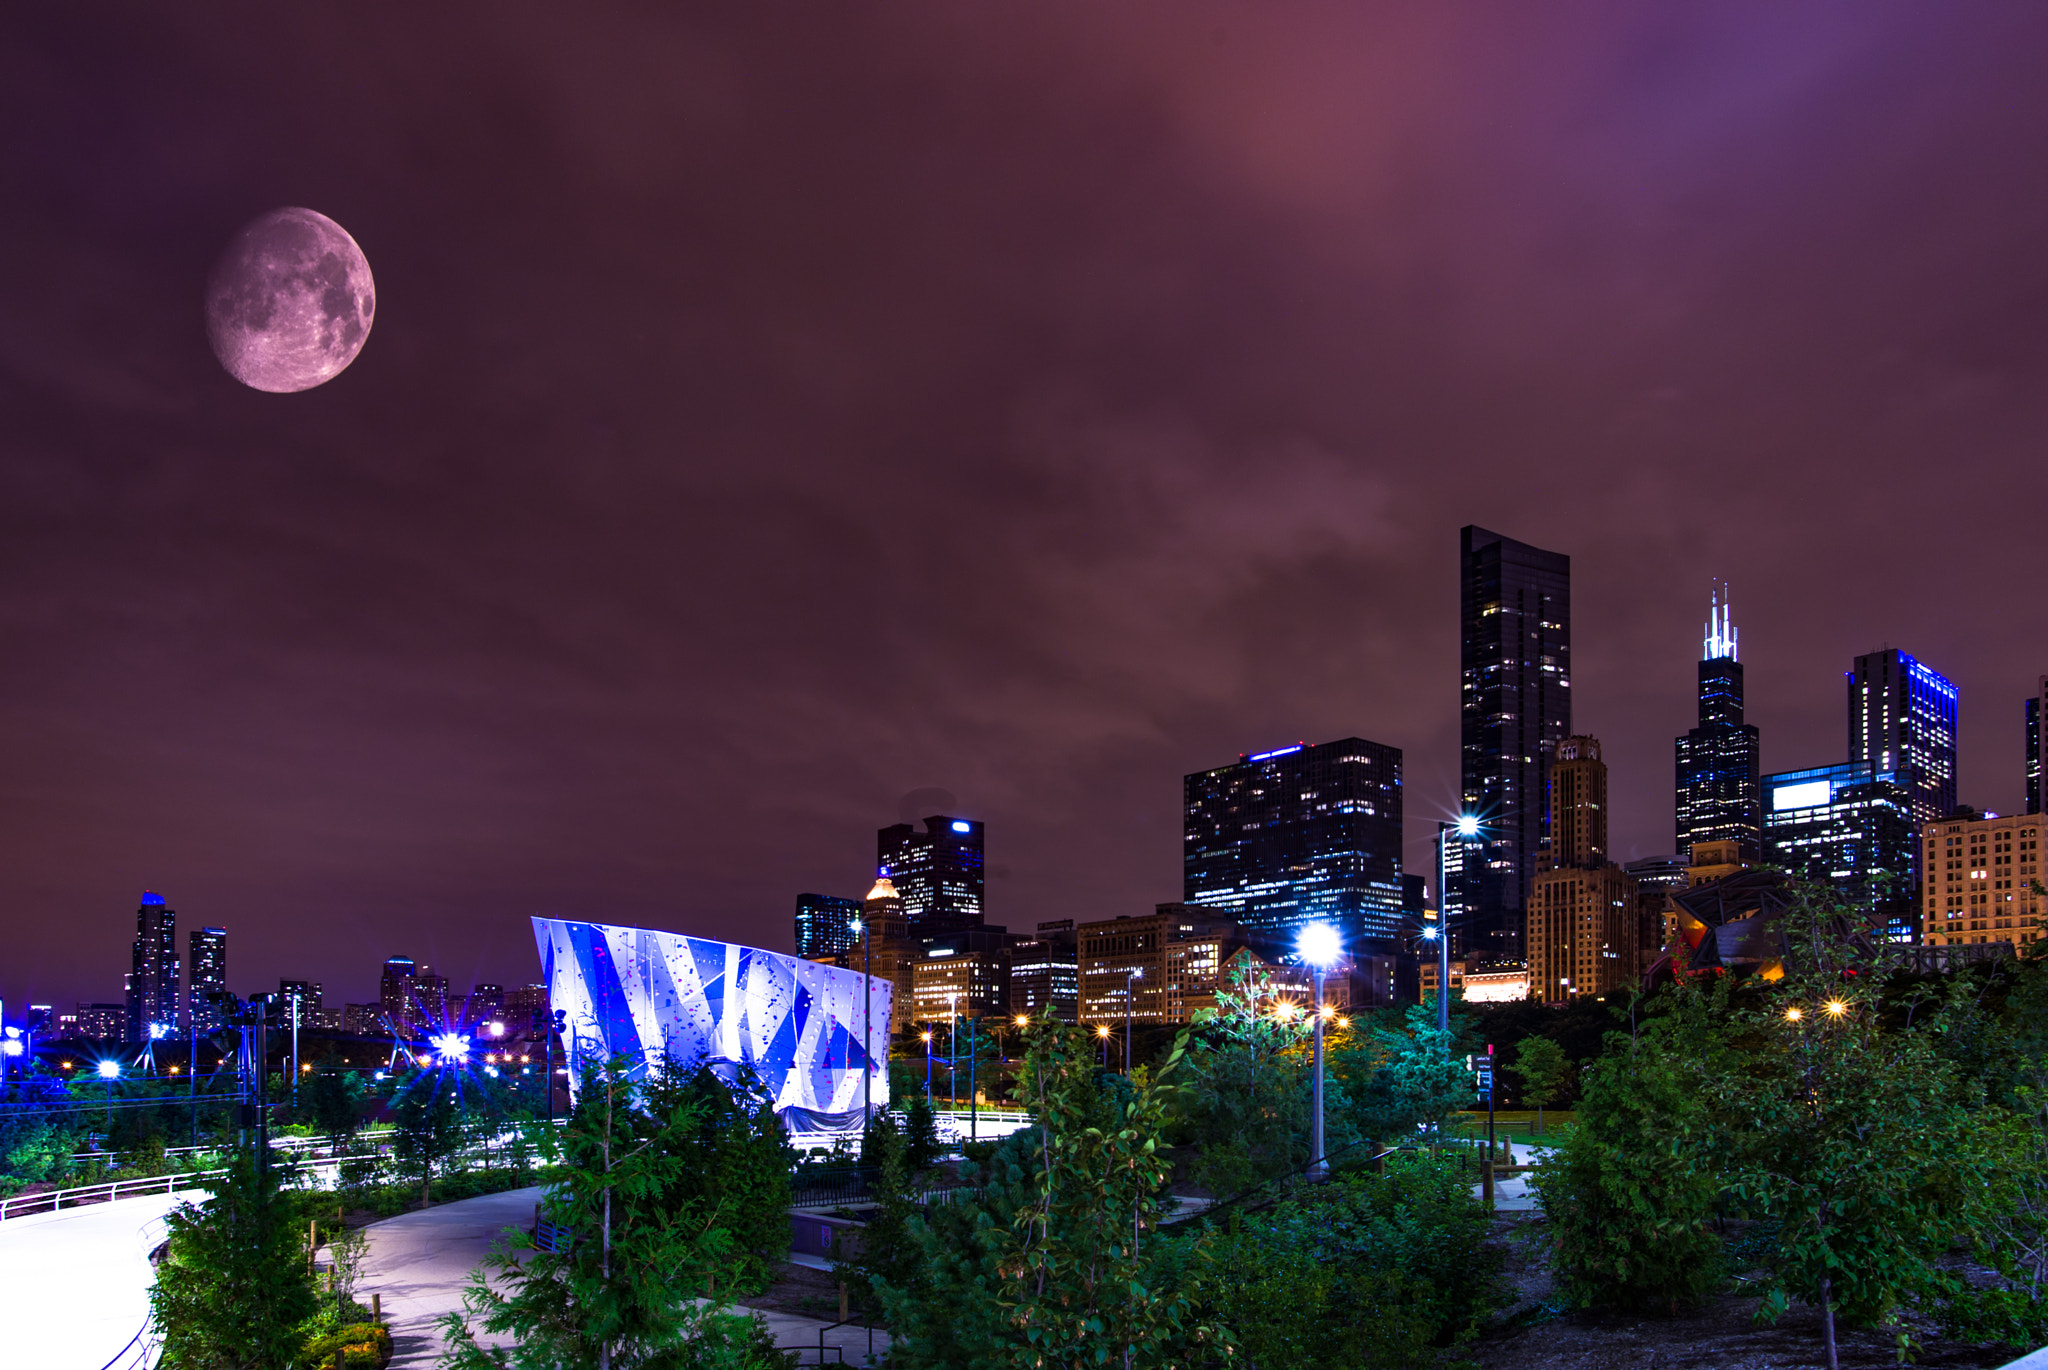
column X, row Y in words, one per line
column 1630, row 1192
column 1371, row 1272
column 359, row 1346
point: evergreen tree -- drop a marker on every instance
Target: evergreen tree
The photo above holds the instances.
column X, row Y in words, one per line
column 234, row 1291
column 1543, row 1072
column 427, row 1127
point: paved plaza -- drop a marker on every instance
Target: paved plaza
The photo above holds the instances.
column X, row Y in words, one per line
column 74, row 1284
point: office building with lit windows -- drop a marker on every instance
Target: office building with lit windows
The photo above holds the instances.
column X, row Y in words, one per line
column 1584, row 935
column 2035, row 745
column 1719, row 790
column 1045, row 972
column 824, row 925
column 153, row 972
column 1902, row 722
column 206, row 979
column 1514, row 707
column 937, row 873
column 1851, row 826
column 1298, row 835
column 1981, row 874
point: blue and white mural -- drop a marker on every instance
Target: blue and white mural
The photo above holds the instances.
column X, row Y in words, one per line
column 797, row 1024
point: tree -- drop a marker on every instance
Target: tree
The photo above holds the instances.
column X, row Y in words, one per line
column 736, row 1161
column 427, row 1127
column 334, row 1102
column 234, row 1291
column 1057, row 1262
column 1870, row 1151
column 1543, row 1072
column 1629, row 1195
column 1395, row 1076
column 646, row 1239
column 1245, row 1106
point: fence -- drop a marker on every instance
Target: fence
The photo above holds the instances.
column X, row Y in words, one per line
column 54, row 1199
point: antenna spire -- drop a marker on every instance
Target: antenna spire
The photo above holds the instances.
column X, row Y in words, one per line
column 1720, row 637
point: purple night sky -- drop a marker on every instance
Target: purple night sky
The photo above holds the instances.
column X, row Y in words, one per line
column 774, row 411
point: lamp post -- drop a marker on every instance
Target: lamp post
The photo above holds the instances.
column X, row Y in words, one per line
column 1466, row 826
column 953, row 1048
column 927, row 1035
column 1102, row 1033
column 1137, row 973
column 110, row 1071
column 867, row 1022
column 1320, row 945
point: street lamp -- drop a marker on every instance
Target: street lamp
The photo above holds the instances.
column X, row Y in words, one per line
column 110, row 1071
column 1102, row 1032
column 1320, row 945
column 867, row 1022
column 927, row 1037
column 1137, row 973
column 1467, row 826
column 953, row 1048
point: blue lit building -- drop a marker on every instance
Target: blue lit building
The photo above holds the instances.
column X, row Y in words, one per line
column 824, row 925
column 1902, row 721
column 1719, row 798
column 153, row 971
column 1851, row 826
column 937, row 872
column 1514, row 707
column 1299, row 835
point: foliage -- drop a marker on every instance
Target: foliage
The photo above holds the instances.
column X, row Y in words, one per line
column 1870, row 1150
column 234, row 1291
column 1244, row 1110
column 1395, row 1075
column 1057, row 1262
column 736, row 1161
column 647, row 1238
column 1368, row 1273
column 922, row 1148
column 1629, row 1195
column 427, row 1124
column 1543, row 1072
column 356, row 1346
column 333, row 1099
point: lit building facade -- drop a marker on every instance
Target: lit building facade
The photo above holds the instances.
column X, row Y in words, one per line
column 887, row 951
column 153, row 972
column 1514, row 707
column 1719, row 775
column 1851, row 826
column 2035, row 743
column 526, row 1011
column 206, row 979
column 824, row 925
column 1902, row 722
column 1583, row 924
column 413, row 999
column 1045, row 972
column 1981, row 874
column 937, row 873
column 951, row 981
column 1295, row 836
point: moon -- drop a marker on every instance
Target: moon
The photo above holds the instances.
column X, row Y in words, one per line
column 290, row 301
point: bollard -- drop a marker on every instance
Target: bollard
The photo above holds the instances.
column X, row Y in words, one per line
column 1486, row 1184
column 842, row 1301
column 377, row 1309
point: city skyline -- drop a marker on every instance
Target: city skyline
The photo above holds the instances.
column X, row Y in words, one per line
column 887, row 419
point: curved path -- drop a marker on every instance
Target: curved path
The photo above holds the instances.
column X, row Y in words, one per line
column 74, row 1284
column 419, row 1264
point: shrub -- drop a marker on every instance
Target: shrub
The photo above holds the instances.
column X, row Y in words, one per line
column 359, row 1346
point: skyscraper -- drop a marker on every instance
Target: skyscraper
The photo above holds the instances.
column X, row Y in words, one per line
column 2036, row 706
column 1584, row 932
column 206, row 978
column 1515, row 706
column 1851, row 827
column 1299, row 835
column 824, row 925
column 1902, row 721
column 153, row 971
column 1719, row 767
column 937, row 873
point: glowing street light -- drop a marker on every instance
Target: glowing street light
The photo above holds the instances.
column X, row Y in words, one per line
column 1794, row 1014
column 1466, row 826
column 110, row 1070
column 453, row 1047
column 1320, row 945
column 1836, row 1008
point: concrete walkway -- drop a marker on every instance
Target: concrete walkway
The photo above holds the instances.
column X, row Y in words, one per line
column 74, row 1284
column 419, row 1264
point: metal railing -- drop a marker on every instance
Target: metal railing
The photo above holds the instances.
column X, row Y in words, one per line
column 53, row 1199
column 140, row 1352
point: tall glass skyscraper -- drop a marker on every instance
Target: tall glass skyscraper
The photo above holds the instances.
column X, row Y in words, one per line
column 206, row 978
column 937, row 872
column 824, row 925
column 153, row 971
column 1852, row 827
column 1515, row 706
column 1719, row 762
column 1902, row 720
column 2034, row 747
column 1299, row 835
